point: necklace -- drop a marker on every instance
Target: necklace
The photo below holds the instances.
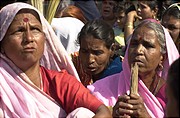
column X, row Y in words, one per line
column 155, row 85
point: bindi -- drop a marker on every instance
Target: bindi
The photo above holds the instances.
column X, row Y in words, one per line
column 25, row 19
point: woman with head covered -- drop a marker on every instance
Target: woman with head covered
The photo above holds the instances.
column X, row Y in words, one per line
column 152, row 48
column 34, row 80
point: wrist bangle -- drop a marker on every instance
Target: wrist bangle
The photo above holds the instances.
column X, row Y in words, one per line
column 129, row 26
column 129, row 23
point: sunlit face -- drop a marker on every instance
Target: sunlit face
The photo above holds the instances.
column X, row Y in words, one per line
column 144, row 49
column 94, row 55
column 24, row 41
column 172, row 105
column 107, row 9
column 145, row 11
column 173, row 26
column 121, row 19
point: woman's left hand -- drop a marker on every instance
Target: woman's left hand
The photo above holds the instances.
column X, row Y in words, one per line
column 138, row 108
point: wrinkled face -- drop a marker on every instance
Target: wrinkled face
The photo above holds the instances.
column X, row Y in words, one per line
column 172, row 104
column 145, row 11
column 173, row 25
column 94, row 55
column 107, row 9
column 144, row 49
column 24, row 41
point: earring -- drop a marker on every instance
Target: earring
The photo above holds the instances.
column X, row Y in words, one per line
column 160, row 67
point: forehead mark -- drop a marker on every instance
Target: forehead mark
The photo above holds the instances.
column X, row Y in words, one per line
column 25, row 19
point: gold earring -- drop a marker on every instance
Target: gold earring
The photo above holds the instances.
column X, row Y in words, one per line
column 160, row 67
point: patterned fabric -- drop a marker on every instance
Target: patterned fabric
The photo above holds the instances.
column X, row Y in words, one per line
column 109, row 88
column 85, row 78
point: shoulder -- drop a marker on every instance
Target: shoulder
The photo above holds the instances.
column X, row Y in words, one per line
column 116, row 65
column 60, row 75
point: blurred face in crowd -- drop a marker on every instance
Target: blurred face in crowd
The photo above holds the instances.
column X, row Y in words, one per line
column 172, row 24
column 145, row 11
column 121, row 19
column 94, row 54
column 24, row 40
column 107, row 9
column 144, row 49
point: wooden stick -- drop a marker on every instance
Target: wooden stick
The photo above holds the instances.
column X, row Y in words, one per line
column 134, row 79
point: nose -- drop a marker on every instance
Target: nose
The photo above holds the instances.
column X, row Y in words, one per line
column 91, row 59
column 28, row 36
column 139, row 49
column 138, row 9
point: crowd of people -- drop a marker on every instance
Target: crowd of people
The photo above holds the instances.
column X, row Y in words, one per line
column 81, row 64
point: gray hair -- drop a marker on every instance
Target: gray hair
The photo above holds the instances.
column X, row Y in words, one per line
column 154, row 25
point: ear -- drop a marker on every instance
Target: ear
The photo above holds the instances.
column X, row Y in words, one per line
column 113, row 48
column 163, row 57
column 155, row 11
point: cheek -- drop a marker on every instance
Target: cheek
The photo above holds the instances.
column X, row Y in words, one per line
column 103, row 60
column 130, row 54
column 12, row 46
column 175, row 34
column 152, row 59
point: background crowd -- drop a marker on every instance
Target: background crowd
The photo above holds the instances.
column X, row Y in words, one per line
column 74, row 58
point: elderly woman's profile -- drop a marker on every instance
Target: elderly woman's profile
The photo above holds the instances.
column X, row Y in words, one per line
column 153, row 50
column 37, row 77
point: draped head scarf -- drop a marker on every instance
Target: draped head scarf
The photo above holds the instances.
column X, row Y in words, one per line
column 18, row 97
column 109, row 88
column 55, row 57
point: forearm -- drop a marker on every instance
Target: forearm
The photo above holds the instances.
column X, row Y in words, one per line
column 103, row 112
column 129, row 26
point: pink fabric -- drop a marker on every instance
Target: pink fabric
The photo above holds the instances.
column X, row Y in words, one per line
column 55, row 56
column 18, row 95
column 109, row 88
column 20, row 98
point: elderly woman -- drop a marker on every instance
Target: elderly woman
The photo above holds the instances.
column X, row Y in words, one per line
column 31, row 57
column 152, row 48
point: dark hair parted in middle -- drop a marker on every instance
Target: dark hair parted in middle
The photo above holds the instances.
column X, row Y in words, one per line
column 99, row 29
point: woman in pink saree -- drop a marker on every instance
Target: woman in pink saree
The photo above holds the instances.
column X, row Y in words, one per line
column 34, row 70
column 152, row 48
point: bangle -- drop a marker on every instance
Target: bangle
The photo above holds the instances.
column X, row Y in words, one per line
column 129, row 26
column 129, row 23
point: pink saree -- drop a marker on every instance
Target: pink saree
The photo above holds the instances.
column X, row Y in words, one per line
column 19, row 97
column 109, row 88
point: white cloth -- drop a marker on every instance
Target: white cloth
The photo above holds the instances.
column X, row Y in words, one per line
column 67, row 29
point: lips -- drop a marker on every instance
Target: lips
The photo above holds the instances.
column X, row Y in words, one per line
column 138, row 60
column 91, row 69
column 29, row 49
